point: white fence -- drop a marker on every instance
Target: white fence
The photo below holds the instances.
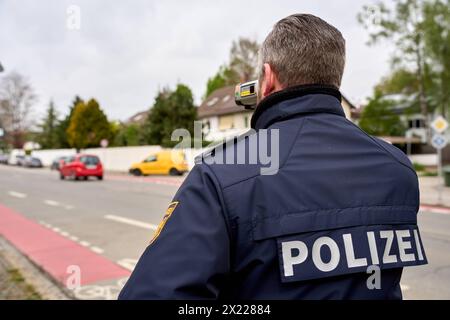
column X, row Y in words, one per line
column 429, row 160
column 113, row 159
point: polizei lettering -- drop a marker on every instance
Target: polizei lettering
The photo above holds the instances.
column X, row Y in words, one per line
column 348, row 250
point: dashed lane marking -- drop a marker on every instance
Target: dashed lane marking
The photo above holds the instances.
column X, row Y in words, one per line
column 127, row 263
column 84, row 243
column 97, row 250
column 17, row 194
column 73, row 238
column 131, row 222
column 51, row 203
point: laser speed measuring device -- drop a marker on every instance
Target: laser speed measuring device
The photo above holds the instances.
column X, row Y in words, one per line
column 246, row 94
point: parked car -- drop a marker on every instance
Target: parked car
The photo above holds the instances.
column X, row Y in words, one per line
column 4, row 158
column 13, row 156
column 32, row 162
column 172, row 162
column 56, row 163
column 81, row 166
column 20, row 160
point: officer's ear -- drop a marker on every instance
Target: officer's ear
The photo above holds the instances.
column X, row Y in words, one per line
column 270, row 83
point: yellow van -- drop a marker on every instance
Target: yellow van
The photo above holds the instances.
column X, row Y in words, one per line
column 172, row 162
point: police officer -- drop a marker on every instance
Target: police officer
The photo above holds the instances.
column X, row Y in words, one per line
column 324, row 212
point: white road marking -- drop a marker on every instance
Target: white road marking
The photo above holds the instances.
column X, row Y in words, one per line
column 97, row 250
column 17, row 194
column 56, row 229
column 127, row 263
column 132, row 222
column 45, row 224
column 65, row 234
column 73, row 238
column 85, row 243
column 51, row 203
column 404, row 287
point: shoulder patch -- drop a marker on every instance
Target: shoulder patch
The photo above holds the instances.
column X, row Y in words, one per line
column 169, row 211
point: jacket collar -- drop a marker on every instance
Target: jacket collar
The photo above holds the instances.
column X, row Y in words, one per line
column 293, row 101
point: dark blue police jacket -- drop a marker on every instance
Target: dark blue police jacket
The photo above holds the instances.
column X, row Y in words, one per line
column 324, row 212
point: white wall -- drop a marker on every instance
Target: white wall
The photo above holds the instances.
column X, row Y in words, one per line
column 47, row 156
column 424, row 159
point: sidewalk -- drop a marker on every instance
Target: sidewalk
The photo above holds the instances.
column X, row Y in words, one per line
column 430, row 188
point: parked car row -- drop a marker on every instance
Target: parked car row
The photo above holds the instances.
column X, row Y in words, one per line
column 21, row 160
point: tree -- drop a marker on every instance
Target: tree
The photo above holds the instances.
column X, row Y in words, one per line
column 171, row 110
column 88, row 126
column 63, row 125
column 241, row 67
column 128, row 135
column 48, row 138
column 436, row 34
column 420, row 31
column 17, row 98
column 378, row 118
column 244, row 58
column 400, row 81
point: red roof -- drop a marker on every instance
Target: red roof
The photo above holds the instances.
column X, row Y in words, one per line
column 220, row 102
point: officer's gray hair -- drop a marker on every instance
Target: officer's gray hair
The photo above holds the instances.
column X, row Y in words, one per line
column 304, row 49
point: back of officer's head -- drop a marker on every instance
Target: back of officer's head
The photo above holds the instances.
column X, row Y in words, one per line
column 304, row 49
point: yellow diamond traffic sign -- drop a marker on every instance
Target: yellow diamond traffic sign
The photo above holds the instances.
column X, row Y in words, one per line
column 439, row 124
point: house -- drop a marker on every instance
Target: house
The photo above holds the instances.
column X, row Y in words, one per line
column 138, row 118
column 415, row 139
column 222, row 118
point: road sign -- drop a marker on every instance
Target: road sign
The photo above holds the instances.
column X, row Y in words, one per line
column 439, row 141
column 439, row 124
column 104, row 143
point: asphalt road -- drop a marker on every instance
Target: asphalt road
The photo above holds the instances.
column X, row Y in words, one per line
column 116, row 218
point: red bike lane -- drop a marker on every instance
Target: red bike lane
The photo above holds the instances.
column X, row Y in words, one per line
column 55, row 254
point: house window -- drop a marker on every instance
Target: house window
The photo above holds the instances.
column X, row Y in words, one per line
column 206, row 127
column 226, row 123
column 416, row 123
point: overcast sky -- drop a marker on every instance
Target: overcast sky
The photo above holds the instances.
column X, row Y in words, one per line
column 125, row 51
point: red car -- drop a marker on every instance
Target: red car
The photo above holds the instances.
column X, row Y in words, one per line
column 81, row 166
